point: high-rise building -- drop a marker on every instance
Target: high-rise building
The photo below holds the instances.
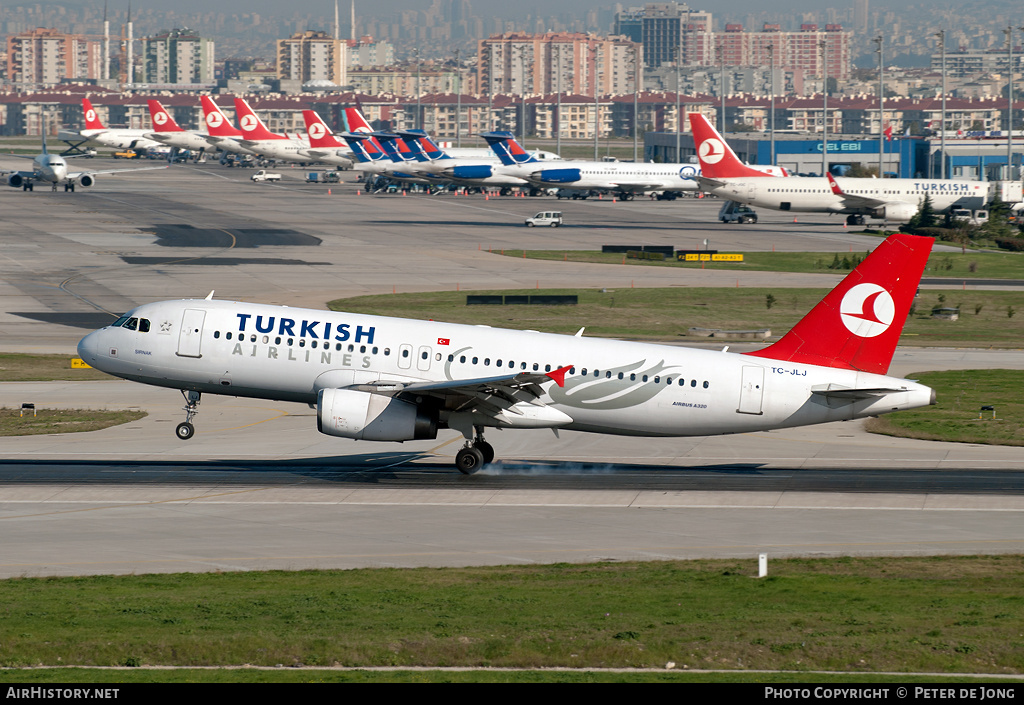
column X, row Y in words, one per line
column 666, row 29
column 566, row 62
column 312, row 56
column 180, row 56
column 47, row 57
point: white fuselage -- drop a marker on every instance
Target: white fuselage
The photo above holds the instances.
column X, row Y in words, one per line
column 193, row 141
column 292, row 149
column 50, row 168
column 615, row 387
column 121, row 139
column 813, row 194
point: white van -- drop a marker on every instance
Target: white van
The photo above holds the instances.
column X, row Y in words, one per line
column 960, row 216
column 550, row 218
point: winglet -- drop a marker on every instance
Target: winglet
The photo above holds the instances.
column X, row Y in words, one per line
column 559, row 375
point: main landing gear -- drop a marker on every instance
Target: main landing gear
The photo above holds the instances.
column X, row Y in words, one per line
column 474, row 455
column 186, row 430
column 855, row 220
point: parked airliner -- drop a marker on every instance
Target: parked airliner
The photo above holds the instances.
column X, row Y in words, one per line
column 258, row 138
column 117, row 138
column 167, row 131
column 625, row 179
column 393, row 379
column 893, row 200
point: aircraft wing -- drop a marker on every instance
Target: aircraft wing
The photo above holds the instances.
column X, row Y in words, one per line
column 851, row 200
column 79, row 174
column 502, row 396
column 27, row 175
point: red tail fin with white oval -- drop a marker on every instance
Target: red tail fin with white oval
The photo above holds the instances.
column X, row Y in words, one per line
column 92, row 121
column 857, row 325
column 251, row 125
column 217, row 123
column 356, row 121
column 717, row 160
column 162, row 120
column 320, row 136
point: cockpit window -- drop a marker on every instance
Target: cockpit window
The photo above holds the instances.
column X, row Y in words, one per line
column 143, row 325
column 119, row 322
column 132, row 324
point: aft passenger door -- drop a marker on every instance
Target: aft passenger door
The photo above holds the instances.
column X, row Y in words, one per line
column 751, row 390
column 190, row 337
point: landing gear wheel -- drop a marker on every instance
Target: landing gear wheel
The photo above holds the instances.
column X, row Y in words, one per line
column 469, row 460
column 186, row 430
column 487, row 450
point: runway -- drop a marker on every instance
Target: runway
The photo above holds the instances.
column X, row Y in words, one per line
column 258, row 487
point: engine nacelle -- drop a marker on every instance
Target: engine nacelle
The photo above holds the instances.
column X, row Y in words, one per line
column 87, row 180
column 372, row 417
column 896, row 212
column 15, row 180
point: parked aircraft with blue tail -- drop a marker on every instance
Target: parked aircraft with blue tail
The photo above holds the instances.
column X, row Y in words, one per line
column 623, row 179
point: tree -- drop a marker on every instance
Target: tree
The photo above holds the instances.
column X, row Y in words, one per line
column 925, row 216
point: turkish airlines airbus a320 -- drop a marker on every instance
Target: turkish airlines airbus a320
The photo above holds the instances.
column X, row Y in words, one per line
column 393, row 379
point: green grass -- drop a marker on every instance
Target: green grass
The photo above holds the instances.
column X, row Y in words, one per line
column 667, row 314
column 956, row 265
column 19, row 367
column 859, row 614
column 957, row 415
column 46, row 421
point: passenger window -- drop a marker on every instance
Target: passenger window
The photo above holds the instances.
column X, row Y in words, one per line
column 216, row 334
column 228, row 336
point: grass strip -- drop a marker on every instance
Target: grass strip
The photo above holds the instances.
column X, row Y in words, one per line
column 988, row 318
column 956, row 265
column 914, row 615
column 47, row 421
column 20, row 367
column 958, row 415
column 67, row 676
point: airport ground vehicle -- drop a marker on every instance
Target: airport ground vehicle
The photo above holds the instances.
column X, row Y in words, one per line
column 575, row 194
column 733, row 212
column 551, row 219
column 961, row 216
column 126, row 154
column 322, row 177
column 264, row 175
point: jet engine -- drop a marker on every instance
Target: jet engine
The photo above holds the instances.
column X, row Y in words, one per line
column 372, row 417
column 87, row 180
column 15, row 180
column 896, row 212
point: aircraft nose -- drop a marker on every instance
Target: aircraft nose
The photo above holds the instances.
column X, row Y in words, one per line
column 88, row 348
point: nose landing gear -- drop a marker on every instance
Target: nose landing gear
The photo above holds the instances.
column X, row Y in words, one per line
column 186, row 430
